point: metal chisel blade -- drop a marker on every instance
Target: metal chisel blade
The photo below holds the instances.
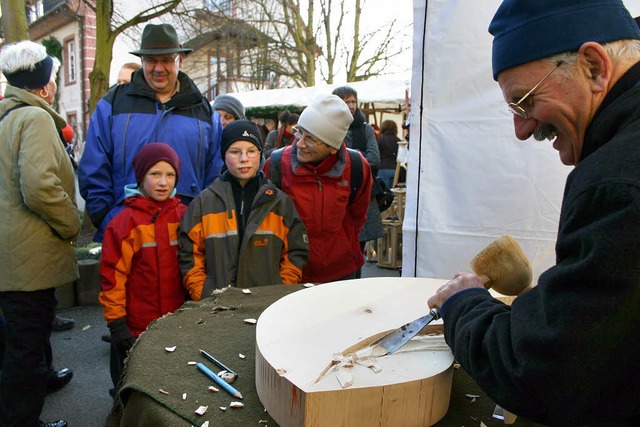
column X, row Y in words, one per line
column 396, row 339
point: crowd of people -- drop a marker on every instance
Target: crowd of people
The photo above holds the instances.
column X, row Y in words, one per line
column 188, row 198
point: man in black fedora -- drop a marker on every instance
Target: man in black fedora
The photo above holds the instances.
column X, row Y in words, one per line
column 160, row 104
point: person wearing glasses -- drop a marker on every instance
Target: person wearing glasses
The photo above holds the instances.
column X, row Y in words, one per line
column 316, row 172
column 566, row 352
column 161, row 103
column 241, row 230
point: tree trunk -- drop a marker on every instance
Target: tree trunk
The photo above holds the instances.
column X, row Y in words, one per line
column 14, row 21
column 105, row 38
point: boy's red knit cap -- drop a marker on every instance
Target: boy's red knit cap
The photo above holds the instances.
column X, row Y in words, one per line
column 151, row 154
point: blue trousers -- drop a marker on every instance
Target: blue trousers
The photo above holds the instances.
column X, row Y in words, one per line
column 28, row 319
column 387, row 175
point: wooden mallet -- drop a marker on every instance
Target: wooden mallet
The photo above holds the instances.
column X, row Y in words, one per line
column 503, row 266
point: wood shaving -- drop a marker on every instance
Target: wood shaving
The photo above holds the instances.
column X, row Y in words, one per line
column 345, row 376
column 250, row 321
column 192, row 363
column 246, row 291
column 201, row 410
column 184, row 396
column 213, row 389
column 236, row 405
column 171, row 349
column 241, row 356
column 163, row 392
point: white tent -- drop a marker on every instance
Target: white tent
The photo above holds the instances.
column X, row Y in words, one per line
column 470, row 180
column 379, row 91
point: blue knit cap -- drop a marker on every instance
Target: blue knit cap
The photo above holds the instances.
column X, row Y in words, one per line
column 528, row 30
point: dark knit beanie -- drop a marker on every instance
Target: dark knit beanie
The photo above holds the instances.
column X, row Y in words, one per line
column 526, row 30
column 151, row 154
column 240, row 130
column 229, row 104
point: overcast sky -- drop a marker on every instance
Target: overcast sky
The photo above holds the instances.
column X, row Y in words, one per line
column 375, row 13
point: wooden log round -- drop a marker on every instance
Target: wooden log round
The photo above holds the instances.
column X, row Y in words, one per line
column 298, row 336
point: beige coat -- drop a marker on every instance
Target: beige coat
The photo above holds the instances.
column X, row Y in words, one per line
column 39, row 219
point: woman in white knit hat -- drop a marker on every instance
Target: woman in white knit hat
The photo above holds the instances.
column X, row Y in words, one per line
column 316, row 172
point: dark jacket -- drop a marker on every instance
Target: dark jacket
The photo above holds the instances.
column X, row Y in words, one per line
column 566, row 352
column 277, row 138
column 272, row 250
column 388, row 146
column 130, row 116
column 361, row 137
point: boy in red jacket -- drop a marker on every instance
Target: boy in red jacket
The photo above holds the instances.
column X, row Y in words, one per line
column 139, row 269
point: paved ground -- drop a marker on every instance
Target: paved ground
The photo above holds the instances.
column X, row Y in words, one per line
column 85, row 401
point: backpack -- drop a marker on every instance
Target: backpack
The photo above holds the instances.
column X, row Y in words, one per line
column 355, row 181
column 384, row 196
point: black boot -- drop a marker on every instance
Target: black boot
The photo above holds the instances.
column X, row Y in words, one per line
column 62, row 323
column 58, row 379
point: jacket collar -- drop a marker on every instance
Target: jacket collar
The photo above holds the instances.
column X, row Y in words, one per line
column 187, row 96
column 618, row 108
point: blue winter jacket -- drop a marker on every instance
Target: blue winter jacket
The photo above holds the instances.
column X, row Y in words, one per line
column 130, row 116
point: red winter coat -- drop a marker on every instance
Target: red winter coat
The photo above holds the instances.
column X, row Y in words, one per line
column 139, row 269
column 321, row 195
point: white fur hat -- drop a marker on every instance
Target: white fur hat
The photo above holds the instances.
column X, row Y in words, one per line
column 328, row 119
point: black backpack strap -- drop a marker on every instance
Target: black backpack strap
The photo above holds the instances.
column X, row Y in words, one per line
column 11, row 109
column 275, row 167
column 356, row 173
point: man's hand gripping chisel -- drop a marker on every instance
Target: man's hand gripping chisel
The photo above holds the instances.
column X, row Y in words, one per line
column 502, row 265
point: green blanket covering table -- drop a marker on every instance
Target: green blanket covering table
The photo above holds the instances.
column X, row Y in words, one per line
column 156, row 380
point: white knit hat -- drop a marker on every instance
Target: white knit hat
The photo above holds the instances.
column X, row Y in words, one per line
column 328, row 119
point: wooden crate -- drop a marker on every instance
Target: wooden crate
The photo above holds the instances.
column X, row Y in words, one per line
column 390, row 245
column 396, row 211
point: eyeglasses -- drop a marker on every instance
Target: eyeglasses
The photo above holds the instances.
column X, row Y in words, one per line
column 309, row 140
column 516, row 109
column 165, row 62
column 236, row 154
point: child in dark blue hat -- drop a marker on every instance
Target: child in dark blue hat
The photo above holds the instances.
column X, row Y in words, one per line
column 242, row 230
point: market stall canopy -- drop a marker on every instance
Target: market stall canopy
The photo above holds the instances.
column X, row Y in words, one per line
column 377, row 91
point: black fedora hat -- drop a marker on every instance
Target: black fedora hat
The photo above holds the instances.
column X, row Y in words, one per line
column 159, row 40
